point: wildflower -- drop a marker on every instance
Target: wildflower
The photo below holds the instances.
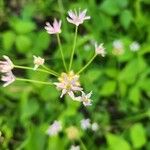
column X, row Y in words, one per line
column 118, row 48
column 68, row 83
column 77, row 18
column 72, row 133
column 74, row 147
column 85, row 98
column 94, row 126
column 134, row 46
column 38, row 61
column 99, row 49
column 7, row 65
column 54, row 129
column 85, row 124
column 55, row 28
column 8, row 78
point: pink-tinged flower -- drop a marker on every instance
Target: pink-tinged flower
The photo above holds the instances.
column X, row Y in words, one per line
column 85, row 98
column 7, row 65
column 68, row 84
column 118, row 48
column 73, row 147
column 38, row 61
column 85, row 124
column 8, row 78
column 100, row 50
column 94, row 126
column 55, row 28
column 77, row 18
column 54, row 129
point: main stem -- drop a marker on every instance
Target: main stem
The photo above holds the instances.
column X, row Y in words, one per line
column 62, row 54
column 73, row 49
column 90, row 61
column 40, row 70
column 34, row 81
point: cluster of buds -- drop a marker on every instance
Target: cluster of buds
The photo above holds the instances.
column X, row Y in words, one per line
column 68, row 81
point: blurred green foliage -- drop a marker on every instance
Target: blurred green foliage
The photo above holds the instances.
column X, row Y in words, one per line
column 120, row 84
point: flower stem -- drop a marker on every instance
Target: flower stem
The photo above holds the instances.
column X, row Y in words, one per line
column 89, row 62
column 48, row 69
column 40, row 70
column 34, row 81
column 83, row 145
column 60, row 47
column 73, row 49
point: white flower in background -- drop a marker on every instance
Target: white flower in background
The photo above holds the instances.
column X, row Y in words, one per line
column 118, row 48
column 37, row 62
column 7, row 65
column 8, row 78
column 85, row 98
column 55, row 28
column 134, row 46
column 68, row 84
column 77, row 18
column 100, row 50
column 94, row 126
column 73, row 147
column 85, row 124
column 54, row 129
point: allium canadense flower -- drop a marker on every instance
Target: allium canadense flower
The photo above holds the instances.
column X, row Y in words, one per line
column 134, row 46
column 68, row 83
column 77, row 18
column 38, row 61
column 73, row 147
column 85, row 124
column 94, row 126
column 7, row 65
column 100, row 50
column 118, row 48
column 72, row 133
column 55, row 28
column 54, row 129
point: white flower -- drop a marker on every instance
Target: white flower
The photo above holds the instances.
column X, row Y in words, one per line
column 7, row 65
column 74, row 147
column 85, row 98
column 77, row 18
column 55, row 28
column 94, row 126
column 37, row 62
column 85, row 124
column 8, row 78
column 118, row 48
column 54, row 129
column 99, row 49
column 68, row 83
column 134, row 46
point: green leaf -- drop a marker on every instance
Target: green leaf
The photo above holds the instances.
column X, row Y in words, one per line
column 23, row 43
column 134, row 95
column 138, row 135
column 126, row 18
column 108, row 88
column 8, row 40
column 116, row 142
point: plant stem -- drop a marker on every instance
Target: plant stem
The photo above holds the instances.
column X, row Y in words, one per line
column 74, row 45
column 83, row 145
column 34, row 81
column 40, row 70
column 48, row 69
column 89, row 62
column 62, row 54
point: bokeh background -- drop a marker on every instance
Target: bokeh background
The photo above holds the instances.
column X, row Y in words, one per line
column 120, row 84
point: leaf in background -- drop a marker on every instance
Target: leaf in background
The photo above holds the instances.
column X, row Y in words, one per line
column 116, row 142
column 23, row 43
column 8, row 40
column 138, row 135
column 134, row 95
column 126, row 18
column 108, row 88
